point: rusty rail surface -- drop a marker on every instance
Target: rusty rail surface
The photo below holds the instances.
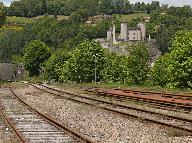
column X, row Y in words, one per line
column 124, row 113
column 181, row 101
column 76, row 135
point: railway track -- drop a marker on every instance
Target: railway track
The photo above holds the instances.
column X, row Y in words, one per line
column 157, row 105
column 125, row 110
column 34, row 127
column 163, row 100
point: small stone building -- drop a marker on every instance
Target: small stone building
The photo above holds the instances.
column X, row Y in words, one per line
column 11, row 72
column 127, row 33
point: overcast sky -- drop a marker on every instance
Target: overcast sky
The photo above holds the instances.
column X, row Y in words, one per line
column 169, row 2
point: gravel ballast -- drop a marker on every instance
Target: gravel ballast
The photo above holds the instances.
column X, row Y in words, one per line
column 101, row 125
column 6, row 134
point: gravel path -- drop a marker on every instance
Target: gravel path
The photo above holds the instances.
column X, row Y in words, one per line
column 103, row 126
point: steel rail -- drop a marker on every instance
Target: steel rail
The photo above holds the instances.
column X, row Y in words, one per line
column 75, row 134
column 13, row 127
column 139, row 98
column 117, row 111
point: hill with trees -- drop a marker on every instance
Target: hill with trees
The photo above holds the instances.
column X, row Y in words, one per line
column 67, row 45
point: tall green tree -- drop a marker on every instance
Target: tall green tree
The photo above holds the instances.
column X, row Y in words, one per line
column 85, row 63
column 162, row 40
column 137, row 64
column 2, row 15
column 35, row 54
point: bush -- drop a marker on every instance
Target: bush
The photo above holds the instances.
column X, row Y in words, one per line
column 35, row 54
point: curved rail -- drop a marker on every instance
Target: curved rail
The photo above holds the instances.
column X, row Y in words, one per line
column 52, row 121
column 106, row 104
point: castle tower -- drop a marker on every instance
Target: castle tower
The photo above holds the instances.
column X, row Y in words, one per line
column 114, row 35
column 143, row 30
column 124, row 31
column 110, row 34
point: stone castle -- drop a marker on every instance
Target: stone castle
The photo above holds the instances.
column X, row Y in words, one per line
column 127, row 33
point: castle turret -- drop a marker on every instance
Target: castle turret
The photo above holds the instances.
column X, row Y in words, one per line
column 124, row 31
column 110, row 34
column 114, row 35
column 143, row 30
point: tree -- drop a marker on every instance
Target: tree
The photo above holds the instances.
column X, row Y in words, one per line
column 52, row 66
column 162, row 39
column 137, row 64
column 35, row 54
column 115, row 68
column 86, row 61
column 176, row 67
column 2, row 15
column 44, row 6
column 159, row 72
column 155, row 5
column 80, row 16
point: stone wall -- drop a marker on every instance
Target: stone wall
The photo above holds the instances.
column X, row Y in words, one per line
column 11, row 71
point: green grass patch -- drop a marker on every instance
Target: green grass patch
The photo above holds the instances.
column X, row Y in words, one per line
column 130, row 17
column 18, row 20
column 59, row 17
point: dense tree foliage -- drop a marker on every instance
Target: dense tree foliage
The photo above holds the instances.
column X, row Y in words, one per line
column 56, row 34
column 2, row 15
column 52, row 67
column 175, row 69
column 86, row 61
column 115, row 68
column 35, row 55
column 138, row 67
column 164, row 24
column 90, row 60
column 31, row 8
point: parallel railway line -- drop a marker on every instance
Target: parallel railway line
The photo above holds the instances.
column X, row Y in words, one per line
column 141, row 97
column 32, row 126
column 125, row 110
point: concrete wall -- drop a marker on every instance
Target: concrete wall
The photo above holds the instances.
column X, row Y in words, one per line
column 11, row 71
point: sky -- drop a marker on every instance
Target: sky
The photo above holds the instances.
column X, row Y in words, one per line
column 169, row 2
